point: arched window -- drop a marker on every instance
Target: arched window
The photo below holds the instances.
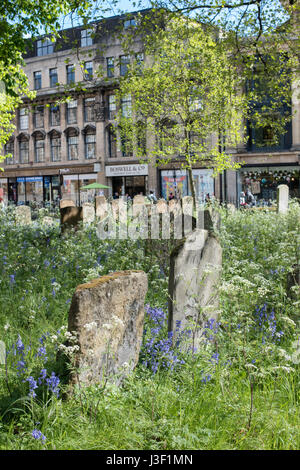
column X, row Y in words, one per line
column 23, row 148
column 10, row 149
column 89, row 142
column 72, row 134
column 55, row 145
column 39, row 146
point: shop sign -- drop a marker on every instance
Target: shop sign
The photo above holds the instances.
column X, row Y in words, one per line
column 126, row 170
column 29, row 179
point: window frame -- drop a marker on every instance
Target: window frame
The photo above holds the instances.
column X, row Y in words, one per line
column 37, row 79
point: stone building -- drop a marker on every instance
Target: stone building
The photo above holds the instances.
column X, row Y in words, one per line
column 60, row 145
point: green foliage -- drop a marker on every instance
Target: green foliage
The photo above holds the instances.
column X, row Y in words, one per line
column 243, row 382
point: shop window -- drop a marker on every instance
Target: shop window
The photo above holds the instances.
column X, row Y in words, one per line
column 23, row 149
column 38, row 117
column 110, row 66
column 37, row 79
column 89, row 109
column 72, row 112
column 23, row 119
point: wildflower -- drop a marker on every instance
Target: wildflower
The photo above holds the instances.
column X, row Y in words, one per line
column 32, row 386
column 12, row 279
column 43, row 375
column 53, row 384
column 19, row 345
column 36, row 434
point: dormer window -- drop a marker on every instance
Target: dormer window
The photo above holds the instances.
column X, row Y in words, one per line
column 130, row 23
column 86, row 37
column 44, row 47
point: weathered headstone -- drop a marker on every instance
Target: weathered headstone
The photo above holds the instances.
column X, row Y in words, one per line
column 139, row 199
column 49, row 221
column 231, row 208
column 70, row 217
column 88, row 212
column 99, row 200
column 108, row 315
column 162, row 206
column 282, row 198
column 23, row 215
column 66, row 203
column 195, row 267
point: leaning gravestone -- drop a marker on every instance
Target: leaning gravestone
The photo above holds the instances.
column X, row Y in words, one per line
column 195, row 267
column 282, row 198
column 108, row 316
column 23, row 215
column 88, row 212
column 70, row 217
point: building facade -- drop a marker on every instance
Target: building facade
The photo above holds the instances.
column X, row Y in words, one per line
column 61, row 145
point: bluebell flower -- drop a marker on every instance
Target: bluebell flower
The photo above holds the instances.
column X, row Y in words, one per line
column 32, row 386
column 36, row 434
column 53, row 384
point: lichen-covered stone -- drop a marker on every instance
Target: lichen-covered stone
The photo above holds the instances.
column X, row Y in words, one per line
column 108, row 315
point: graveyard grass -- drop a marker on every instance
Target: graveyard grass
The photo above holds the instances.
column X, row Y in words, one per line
column 240, row 391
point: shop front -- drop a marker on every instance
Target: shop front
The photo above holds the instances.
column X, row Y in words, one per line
column 38, row 191
column 175, row 183
column 31, row 190
column 72, row 184
column 262, row 181
column 127, row 179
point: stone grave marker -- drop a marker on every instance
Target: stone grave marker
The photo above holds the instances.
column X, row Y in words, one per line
column 70, row 217
column 195, row 268
column 88, row 212
column 66, row 203
column 107, row 315
column 23, row 215
column 282, row 198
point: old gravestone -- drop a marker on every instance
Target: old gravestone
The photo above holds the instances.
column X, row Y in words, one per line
column 23, row 215
column 70, row 217
column 282, row 198
column 66, row 203
column 108, row 315
column 162, row 206
column 88, row 212
column 195, row 268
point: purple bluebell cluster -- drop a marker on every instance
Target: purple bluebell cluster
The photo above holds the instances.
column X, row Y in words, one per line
column 266, row 325
column 157, row 350
column 22, row 361
column 37, row 434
